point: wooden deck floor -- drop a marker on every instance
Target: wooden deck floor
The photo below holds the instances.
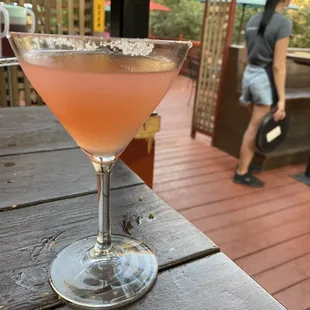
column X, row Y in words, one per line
column 265, row 231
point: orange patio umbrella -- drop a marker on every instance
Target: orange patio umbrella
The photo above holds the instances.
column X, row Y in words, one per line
column 153, row 6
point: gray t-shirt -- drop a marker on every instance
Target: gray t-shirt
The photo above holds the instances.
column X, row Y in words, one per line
column 278, row 28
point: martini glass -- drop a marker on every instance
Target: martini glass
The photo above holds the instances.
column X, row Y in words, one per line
column 102, row 90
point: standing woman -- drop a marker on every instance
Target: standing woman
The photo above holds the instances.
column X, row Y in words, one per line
column 266, row 42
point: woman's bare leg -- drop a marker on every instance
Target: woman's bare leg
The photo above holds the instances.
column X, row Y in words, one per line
column 250, row 108
column 248, row 143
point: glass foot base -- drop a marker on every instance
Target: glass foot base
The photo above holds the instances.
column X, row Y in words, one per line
column 122, row 275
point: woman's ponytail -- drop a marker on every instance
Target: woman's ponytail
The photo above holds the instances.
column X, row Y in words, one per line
column 270, row 8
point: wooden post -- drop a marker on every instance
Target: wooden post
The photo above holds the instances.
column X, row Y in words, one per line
column 130, row 18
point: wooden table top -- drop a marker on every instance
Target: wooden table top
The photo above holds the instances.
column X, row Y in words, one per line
column 48, row 200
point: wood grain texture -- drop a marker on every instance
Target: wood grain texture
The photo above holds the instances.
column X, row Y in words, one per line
column 269, row 248
column 251, row 244
column 286, row 275
column 38, row 177
column 297, row 296
column 31, row 237
column 278, row 255
column 225, row 189
column 254, row 219
column 31, row 129
column 34, row 129
column 211, row 283
column 239, row 202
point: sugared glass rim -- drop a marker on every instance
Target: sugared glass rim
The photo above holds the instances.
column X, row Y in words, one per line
column 101, row 39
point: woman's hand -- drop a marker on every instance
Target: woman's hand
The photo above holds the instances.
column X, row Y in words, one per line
column 280, row 113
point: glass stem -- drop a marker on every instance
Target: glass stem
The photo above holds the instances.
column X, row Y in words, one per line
column 103, row 243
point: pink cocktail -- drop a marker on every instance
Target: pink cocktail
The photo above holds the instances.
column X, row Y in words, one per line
column 102, row 90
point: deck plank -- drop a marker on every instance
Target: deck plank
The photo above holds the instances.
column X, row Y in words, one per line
column 53, row 175
column 272, row 257
column 31, row 244
column 232, row 225
column 187, row 157
column 253, row 243
column 285, row 275
column 204, row 194
column 186, row 197
column 192, row 181
column 296, row 297
column 210, row 283
column 216, row 165
column 31, row 119
column 237, row 203
column 189, row 165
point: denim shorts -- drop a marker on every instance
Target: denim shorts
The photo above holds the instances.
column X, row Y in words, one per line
column 256, row 86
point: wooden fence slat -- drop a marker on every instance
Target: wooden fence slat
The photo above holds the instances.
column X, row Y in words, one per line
column 70, row 17
column 14, row 83
column 85, row 17
column 27, row 89
column 59, row 16
column 82, row 17
column 88, row 5
column 3, row 88
column 47, row 15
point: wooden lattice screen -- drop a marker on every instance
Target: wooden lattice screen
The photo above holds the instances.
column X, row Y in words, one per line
column 15, row 88
column 52, row 16
column 217, row 31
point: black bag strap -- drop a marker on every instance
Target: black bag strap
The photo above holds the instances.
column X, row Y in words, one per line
column 254, row 52
column 252, row 59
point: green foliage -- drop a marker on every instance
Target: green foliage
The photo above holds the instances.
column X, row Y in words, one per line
column 184, row 18
column 301, row 27
column 300, row 19
column 241, row 21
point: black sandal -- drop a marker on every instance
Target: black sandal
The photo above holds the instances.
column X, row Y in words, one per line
column 248, row 179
